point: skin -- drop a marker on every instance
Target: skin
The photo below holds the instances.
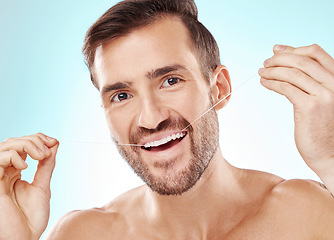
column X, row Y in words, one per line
column 226, row 202
column 28, row 205
column 305, row 76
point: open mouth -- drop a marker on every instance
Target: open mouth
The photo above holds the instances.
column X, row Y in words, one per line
column 165, row 143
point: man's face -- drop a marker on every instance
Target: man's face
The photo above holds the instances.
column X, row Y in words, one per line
column 152, row 88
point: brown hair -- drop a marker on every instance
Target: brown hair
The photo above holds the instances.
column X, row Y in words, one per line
column 128, row 15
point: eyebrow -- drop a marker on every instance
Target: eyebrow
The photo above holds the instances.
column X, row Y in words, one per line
column 164, row 70
column 115, row 86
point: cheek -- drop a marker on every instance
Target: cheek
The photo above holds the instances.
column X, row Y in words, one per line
column 192, row 104
column 118, row 124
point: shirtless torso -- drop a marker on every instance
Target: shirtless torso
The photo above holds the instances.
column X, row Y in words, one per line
column 263, row 207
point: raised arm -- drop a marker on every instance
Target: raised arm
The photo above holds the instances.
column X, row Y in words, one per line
column 305, row 75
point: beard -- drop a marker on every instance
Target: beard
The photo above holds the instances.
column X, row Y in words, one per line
column 203, row 136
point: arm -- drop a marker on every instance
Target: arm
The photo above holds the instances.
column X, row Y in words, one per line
column 25, row 206
column 305, row 76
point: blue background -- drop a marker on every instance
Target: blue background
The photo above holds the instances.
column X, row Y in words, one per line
column 45, row 87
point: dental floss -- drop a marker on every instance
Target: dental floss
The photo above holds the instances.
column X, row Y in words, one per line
column 218, row 102
column 85, row 142
column 136, row 145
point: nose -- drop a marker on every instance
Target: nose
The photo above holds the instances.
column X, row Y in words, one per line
column 151, row 114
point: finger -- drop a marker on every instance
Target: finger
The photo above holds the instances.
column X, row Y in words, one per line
column 48, row 141
column 44, row 171
column 291, row 92
column 42, row 141
column 12, row 158
column 2, row 172
column 22, row 145
column 314, row 51
column 293, row 76
column 39, row 141
column 283, row 49
column 305, row 64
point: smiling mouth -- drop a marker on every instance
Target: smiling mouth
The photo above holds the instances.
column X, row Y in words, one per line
column 164, row 143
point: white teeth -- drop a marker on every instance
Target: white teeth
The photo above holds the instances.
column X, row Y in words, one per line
column 164, row 140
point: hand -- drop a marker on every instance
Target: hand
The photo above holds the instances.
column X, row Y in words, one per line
column 24, row 207
column 305, row 75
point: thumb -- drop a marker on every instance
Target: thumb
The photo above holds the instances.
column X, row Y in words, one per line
column 44, row 171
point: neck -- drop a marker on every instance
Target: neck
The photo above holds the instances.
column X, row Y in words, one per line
column 198, row 211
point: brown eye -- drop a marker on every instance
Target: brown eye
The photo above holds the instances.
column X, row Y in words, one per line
column 170, row 81
column 119, row 97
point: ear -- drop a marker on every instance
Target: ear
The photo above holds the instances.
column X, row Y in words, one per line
column 220, row 86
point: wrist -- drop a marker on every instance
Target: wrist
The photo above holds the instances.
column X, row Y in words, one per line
column 325, row 172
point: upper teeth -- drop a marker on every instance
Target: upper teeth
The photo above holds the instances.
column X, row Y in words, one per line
column 164, row 140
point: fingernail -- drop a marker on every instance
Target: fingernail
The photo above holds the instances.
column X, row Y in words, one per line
column 25, row 164
column 266, row 62
column 262, row 79
column 279, row 48
column 261, row 70
column 50, row 138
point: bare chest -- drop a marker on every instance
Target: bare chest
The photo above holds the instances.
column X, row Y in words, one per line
column 253, row 229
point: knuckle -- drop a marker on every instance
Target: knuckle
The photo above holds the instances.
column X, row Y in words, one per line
column 321, row 104
column 37, row 139
column 328, row 97
column 284, row 86
column 303, row 61
column 296, row 73
column 40, row 135
column 312, row 105
column 27, row 142
column 315, row 48
column 13, row 154
column 28, row 145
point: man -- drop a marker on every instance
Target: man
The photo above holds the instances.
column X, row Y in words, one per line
column 157, row 69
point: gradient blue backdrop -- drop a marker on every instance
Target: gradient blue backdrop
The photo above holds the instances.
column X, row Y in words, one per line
column 45, row 87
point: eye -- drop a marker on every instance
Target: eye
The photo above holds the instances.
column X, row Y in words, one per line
column 119, row 97
column 170, row 81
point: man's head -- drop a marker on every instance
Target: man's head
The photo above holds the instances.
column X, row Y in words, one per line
column 152, row 86
column 129, row 15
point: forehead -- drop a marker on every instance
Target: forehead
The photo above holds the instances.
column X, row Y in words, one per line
column 164, row 42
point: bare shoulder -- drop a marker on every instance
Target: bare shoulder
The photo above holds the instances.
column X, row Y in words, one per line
column 258, row 184
column 270, row 185
column 304, row 203
column 82, row 224
column 288, row 209
column 311, row 195
column 107, row 222
column 311, row 189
